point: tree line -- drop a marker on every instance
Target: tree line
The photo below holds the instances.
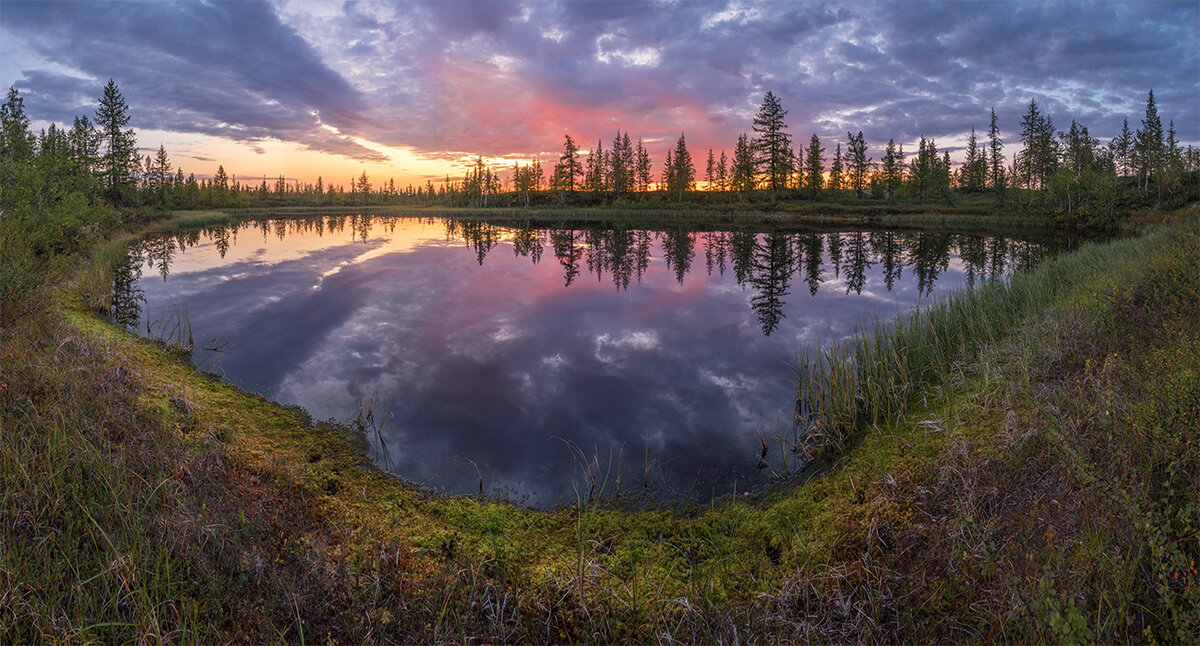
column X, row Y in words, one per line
column 1066, row 171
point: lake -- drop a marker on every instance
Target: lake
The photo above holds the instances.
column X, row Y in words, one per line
column 545, row 365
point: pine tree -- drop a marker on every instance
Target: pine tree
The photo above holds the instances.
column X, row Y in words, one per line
column 161, row 172
column 860, row 164
column 743, row 165
column 974, row 170
column 814, row 167
column 621, row 164
column 568, row 167
column 681, row 173
column 723, row 173
column 836, row 171
column 1039, row 157
column 1122, row 148
column 773, row 144
column 1148, row 144
column 120, row 159
column 594, row 176
column 891, row 169
column 644, row 168
column 996, row 159
column 16, row 140
column 710, row 171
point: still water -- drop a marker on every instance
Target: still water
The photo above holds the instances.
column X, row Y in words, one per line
column 546, row 364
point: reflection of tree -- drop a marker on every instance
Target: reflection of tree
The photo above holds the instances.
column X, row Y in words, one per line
column 742, row 246
column 480, row 236
column 621, row 256
column 835, row 253
column 567, row 251
column 679, row 249
column 931, row 256
column 160, row 252
column 595, row 251
column 857, row 263
column 997, row 252
column 973, row 252
column 773, row 264
column 127, row 297
column 527, row 242
column 220, row 238
column 361, row 226
column 887, row 247
column 813, row 245
column 641, row 253
column 716, row 248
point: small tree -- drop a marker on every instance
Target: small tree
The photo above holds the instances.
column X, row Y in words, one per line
column 681, row 173
column 120, row 159
column 814, row 167
column 773, row 143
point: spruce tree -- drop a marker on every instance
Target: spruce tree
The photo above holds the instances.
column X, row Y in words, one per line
column 16, row 140
column 860, row 164
column 836, row 171
column 1148, row 144
column 773, row 143
column 743, row 165
column 996, row 159
column 120, row 159
column 814, row 167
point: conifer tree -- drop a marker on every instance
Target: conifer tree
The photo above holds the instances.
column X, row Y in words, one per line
column 710, row 170
column 973, row 176
column 743, row 165
column 16, row 140
column 120, row 145
column 594, row 176
column 860, row 164
column 681, row 173
column 814, row 167
column 996, row 159
column 643, row 167
column 1148, row 144
column 837, row 171
column 1122, row 148
column 891, row 169
column 568, row 167
column 773, row 143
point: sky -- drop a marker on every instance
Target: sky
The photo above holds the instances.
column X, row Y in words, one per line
column 410, row 91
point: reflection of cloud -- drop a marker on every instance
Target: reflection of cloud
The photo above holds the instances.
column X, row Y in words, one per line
column 492, row 363
column 610, row 350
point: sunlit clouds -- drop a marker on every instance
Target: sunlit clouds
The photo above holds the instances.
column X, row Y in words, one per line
column 413, row 90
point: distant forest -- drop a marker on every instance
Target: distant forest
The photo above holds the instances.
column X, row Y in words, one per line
column 1059, row 171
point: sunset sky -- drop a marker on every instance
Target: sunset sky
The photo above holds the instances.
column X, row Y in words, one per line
column 408, row 90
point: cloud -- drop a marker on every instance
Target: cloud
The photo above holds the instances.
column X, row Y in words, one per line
column 510, row 78
column 226, row 69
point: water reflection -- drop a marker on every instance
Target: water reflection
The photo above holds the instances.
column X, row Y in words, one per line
column 665, row 353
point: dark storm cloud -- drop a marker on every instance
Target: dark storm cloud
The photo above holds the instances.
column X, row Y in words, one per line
column 510, row 78
column 225, row 69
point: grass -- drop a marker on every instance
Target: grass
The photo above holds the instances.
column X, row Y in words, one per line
column 976, row 213
column 1037, row 483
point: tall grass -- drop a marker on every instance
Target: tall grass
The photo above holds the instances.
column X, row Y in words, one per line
column 845, row 387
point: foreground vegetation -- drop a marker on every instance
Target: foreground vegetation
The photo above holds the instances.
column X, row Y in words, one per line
column 1039, row 484
column 1020, row 465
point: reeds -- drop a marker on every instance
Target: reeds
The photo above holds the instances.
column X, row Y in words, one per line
column 871, row 378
